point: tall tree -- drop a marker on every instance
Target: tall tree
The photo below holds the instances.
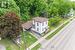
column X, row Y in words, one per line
column 30, row 8
column 59, row 7
column 10, row 25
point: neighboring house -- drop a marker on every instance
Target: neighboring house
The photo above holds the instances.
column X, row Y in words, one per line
column 38, row 24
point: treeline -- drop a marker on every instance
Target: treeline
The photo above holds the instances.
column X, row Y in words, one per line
column 44, row 8
column 28, row 9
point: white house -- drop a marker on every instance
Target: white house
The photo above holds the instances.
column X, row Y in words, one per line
column 38, row 24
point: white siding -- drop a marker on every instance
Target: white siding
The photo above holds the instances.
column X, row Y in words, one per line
column 40, row 26
column 43, row 28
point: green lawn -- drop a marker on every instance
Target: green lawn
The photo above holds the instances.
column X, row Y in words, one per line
column 53, row 27
column 62, row 21
column 30, row 39
column 9, row 44
column 51, row 35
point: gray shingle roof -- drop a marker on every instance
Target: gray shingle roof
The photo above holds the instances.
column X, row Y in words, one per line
column 40, row 19
column 27, row 25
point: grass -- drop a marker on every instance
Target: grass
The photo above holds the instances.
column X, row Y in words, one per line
column 9, row 44
column 53, row 27
column 62, row 21
column 36, row 47
column 28, row 39
column 51, row 35
column 12, row 46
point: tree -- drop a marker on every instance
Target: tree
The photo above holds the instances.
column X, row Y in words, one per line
column 30, row 8
column 10, row 25
column 38, row 7
column 24, row 6
column 73, row 5
column 7, row 6
column 44, row 8
column 64, row 8
column 58, row 7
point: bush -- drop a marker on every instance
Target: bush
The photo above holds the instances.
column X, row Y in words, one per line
column 54, row 21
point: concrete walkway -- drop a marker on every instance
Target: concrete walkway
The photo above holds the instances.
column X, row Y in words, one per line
column 2, row 47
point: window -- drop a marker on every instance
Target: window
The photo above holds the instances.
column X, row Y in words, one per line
column 42, row 24
column 42, row 29
column 37, row 29
column 34, row 26
column 37, row 24
column 46, row 22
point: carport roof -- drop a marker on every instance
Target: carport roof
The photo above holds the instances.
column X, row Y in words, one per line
column 27, row 25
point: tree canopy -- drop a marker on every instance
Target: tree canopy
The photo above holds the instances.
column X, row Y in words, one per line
column 7, row 6
column 44, row 8
column 9, row 25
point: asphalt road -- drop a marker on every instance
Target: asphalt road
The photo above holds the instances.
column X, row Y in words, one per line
column 64, row 40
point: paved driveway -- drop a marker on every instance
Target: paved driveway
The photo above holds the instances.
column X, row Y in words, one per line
column 2, row 47
column 64, row 40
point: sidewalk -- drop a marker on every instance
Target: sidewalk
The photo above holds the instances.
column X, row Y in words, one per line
column 2, row 47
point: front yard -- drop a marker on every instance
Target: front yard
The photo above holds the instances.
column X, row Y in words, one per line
column 51, row 35
column 62, row 21
column 29, row 39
